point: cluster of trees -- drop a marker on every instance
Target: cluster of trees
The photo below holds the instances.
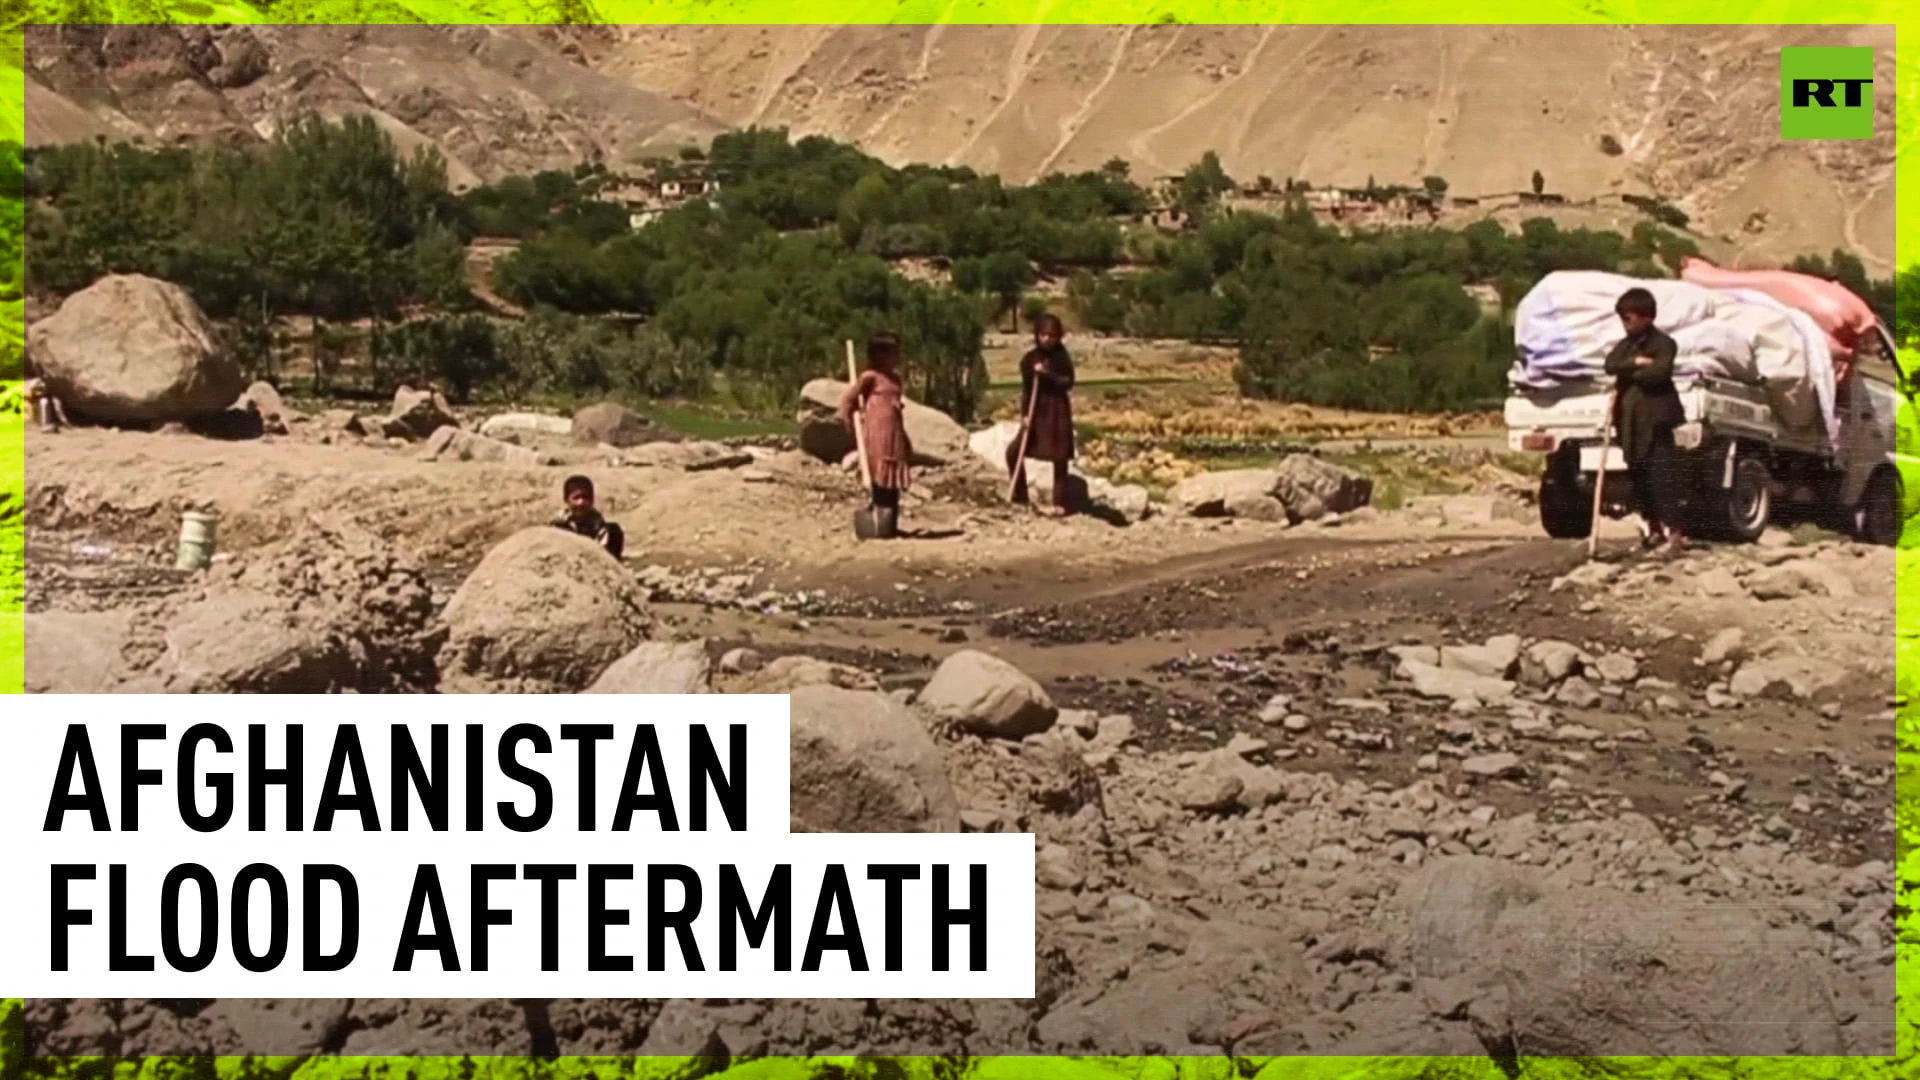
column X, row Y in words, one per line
column 1379, row 320
column 328, row 221
column 753, row 290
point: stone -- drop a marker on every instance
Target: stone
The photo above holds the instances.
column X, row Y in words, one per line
column 609, row 423
column 545, row 609
column 450, row 443
column 696, row 456
column 1727, row 644
column 1310, row 488
column 416, row 414
column 740, row 661
column 1211, row 787
column 936, row 437
column 1493, row 765
column 1054, row 867
column 131, row 349
column 1209, row 494
column 658, row 667
column 1454, row 684
column 513, row 426
column 1551, row 661
column 1577, row 693
column 1497, row 659
column 1618, row 668
column 982, row 694
column 860, row 762
column 1785, row 676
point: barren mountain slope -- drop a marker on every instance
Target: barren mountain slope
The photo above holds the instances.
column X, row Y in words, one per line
column 1693, row 109
column 494, row 99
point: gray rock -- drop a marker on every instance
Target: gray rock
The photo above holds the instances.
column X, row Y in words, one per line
column 983, row 694
column 658, row 667
column 861, row 763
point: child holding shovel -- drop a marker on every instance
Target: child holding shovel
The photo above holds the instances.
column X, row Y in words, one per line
column 1046, row 386
column 878, row 396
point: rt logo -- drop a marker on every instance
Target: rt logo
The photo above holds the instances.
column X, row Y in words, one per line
column 1826, row 93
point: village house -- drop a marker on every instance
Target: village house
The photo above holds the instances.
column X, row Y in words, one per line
column 645, row 199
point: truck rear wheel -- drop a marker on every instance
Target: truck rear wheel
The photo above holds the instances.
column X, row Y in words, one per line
column 1566, row 505
column 1876, row 518
column 1739, row 513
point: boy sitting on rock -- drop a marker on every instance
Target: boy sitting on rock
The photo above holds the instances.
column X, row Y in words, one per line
column 580, row 517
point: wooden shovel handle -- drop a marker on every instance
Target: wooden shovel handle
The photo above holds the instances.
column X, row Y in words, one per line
column 1600, row 475
column 859, row 428
column 1026, row 433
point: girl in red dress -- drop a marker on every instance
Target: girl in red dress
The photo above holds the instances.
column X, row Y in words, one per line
column 880, row 398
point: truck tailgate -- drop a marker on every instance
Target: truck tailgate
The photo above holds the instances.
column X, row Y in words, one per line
column 1574, row 413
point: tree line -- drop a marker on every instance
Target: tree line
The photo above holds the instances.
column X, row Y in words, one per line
column 749, row 292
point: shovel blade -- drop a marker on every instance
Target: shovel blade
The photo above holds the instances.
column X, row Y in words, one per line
column 874, row 523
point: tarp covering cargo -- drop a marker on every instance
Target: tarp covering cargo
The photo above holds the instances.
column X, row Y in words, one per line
column 1565, row 326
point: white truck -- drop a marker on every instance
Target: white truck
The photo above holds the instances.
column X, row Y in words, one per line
column 1748, row 466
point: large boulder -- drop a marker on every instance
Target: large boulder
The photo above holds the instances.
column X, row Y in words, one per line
column 937, row 438
column 860, row 762
column 1311, row 488
column 510, row 427
column 1575, row 971
column 131, row 349
column 1219, row 494
column 659, row 667
column 980, row 693
column 417, row 414
column 611, row 424
column 455, row 444
column 546, row 611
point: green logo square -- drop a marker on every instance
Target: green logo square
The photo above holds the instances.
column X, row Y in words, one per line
column 1826, row 93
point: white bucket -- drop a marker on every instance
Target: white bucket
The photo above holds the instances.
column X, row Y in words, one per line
column 196, row 541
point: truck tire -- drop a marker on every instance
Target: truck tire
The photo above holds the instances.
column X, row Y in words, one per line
column 1566, row 505
column 1875, row 519
column 1739, row 513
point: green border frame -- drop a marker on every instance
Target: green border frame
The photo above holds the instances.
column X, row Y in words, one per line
column 13, row 1062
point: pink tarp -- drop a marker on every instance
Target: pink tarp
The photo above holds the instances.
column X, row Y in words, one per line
column 1844, row 317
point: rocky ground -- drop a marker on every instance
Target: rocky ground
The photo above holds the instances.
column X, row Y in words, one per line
column 1347, row 787
column 1306, row 776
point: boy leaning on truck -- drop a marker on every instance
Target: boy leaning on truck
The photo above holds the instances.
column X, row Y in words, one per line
column 1646, row 410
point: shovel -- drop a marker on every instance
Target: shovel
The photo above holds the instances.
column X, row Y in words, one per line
column 870, row 522
column 1026, row 435
column 1600, row 476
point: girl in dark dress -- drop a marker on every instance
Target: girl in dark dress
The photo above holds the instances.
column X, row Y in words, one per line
column 1046, row 385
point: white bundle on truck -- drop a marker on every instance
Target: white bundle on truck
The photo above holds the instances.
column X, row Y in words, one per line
column 1565, row 326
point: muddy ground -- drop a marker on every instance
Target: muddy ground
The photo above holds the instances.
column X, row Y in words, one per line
column 1266, row 824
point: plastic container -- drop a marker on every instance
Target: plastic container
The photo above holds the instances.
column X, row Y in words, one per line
column 196, row 540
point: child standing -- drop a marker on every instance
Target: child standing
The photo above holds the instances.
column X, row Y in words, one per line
column 880, row 399
column 580, row 517
column 1046, row 386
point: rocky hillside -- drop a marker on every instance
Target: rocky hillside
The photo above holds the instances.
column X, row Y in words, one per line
column 494, row 100
column 1684, row 112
